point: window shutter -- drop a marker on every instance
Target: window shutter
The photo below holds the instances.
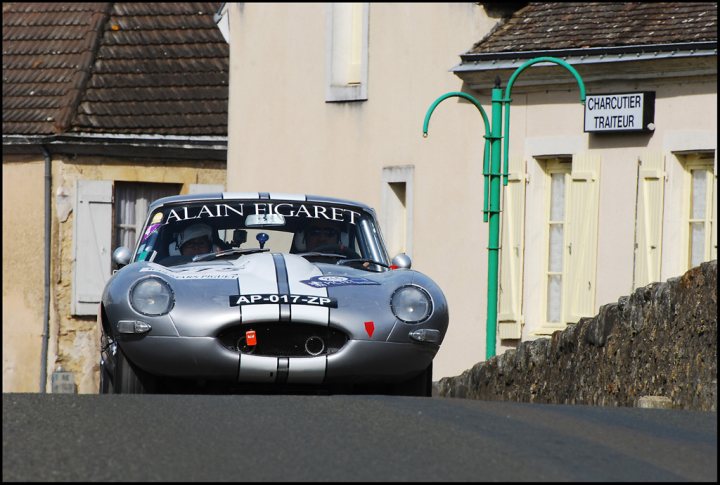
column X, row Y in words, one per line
column 510, row 317
column 91, row 244
column 713, row 222
column 648, row 225
column 581, row 242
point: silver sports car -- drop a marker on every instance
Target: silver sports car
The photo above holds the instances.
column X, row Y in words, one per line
column 279, row 292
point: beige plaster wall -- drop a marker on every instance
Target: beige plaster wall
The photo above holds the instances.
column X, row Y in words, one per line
column 74, row 341
column 284, row 136
column 553, row 119
column 22, row 273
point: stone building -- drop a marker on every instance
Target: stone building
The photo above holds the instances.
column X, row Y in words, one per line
column 106, row 106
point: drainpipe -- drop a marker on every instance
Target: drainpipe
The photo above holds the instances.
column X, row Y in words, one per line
column 46, row 306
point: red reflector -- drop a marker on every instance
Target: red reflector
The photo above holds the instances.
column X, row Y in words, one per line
column 369, row 328
column 394, row 266
column 250, row 337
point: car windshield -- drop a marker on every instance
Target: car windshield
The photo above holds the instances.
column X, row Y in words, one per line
column 184, row 232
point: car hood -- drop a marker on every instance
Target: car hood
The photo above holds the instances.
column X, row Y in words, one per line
column 216, row 294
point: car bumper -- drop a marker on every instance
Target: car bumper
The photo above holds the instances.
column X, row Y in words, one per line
column 358, row 361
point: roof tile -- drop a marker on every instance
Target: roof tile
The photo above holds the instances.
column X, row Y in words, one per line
column 114, row 68
column 48, row 46
column 564, row 25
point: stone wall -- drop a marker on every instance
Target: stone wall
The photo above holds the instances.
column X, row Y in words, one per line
column 659, row 341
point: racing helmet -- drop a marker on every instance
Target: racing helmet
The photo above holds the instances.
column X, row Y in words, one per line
column 192, row 232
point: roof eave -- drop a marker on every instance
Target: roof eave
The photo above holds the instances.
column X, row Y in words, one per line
column 685, row 49
column 595, row 65
column 148, row 146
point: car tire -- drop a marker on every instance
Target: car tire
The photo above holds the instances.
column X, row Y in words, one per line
column 130, row 379
column 420, row 385
column 106, row 385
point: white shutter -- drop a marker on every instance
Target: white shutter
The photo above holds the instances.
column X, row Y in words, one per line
column 510, row 317
column 582, row 236
column 648, row 225
column 91, row 244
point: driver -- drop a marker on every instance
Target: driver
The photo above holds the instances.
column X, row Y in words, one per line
column 323, row 236
column 195, row 239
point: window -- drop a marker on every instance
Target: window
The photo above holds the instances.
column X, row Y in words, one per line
column 397, row 209
column 108, row 215
column 559, row 171
column 131, row 207
column 347, row 51
column 700, row 212
column 571, row 234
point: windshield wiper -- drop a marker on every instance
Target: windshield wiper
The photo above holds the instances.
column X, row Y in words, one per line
column 227, row 252
column 363, row 260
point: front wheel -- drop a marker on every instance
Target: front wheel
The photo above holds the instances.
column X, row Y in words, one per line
column 130, row 379
column 106, row 385
column 420, row 385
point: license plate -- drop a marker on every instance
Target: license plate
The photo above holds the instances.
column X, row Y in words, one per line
column 264, row 299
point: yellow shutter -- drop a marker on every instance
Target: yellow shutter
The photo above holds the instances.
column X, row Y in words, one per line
column 648, row 225
column 713, row 222
column 511, row 253
column 581, row 240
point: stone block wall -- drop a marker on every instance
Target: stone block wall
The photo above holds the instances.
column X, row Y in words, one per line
column 659, row 341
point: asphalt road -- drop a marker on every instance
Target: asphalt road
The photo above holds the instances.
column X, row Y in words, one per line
column 58, row 437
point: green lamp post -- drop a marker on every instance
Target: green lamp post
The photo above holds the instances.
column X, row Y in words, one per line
column 492, row 175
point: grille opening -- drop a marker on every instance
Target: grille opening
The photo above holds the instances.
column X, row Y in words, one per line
column 284, row 340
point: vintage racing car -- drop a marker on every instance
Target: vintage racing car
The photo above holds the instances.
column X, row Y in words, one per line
column 267, row 291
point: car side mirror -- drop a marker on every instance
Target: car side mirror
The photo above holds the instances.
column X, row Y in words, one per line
column 402, row 261
column 121, row 256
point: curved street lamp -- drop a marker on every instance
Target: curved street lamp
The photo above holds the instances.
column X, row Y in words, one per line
column 492, row 174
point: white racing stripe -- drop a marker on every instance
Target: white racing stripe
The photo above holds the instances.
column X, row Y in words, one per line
column 240, row 195
column 306, row 370
column 258, row 277
column 282, row 196
column 255, row 368
column 298, row 268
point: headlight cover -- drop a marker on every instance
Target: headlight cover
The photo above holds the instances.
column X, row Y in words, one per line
column 151, row 296
column 411, row 304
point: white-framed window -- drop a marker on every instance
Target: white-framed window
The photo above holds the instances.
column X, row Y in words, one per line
column 346, row 51
column 699, row 208
column 571, row 237
column 558, row 173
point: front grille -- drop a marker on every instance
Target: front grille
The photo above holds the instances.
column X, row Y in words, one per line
column 284, row 340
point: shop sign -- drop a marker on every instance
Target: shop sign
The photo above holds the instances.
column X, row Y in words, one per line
column 620, row 112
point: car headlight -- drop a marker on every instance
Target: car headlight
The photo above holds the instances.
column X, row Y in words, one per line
column 151, row 296
column 411, row 304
